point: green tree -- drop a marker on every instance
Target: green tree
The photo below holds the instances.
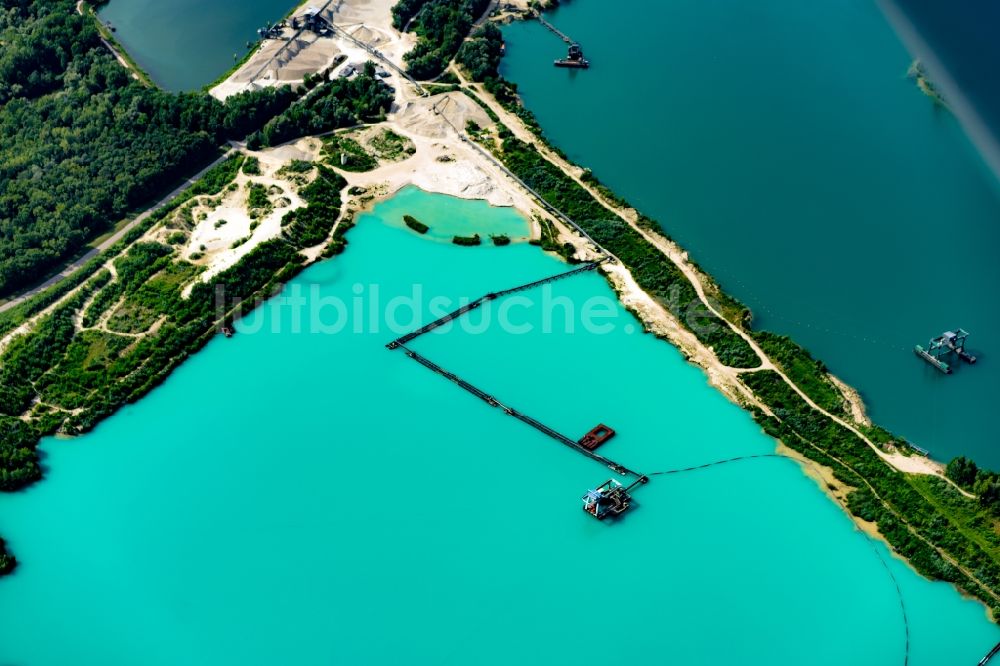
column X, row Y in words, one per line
column 962, row 471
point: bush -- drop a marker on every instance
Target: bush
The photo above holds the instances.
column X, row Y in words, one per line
column 808, row 374
column 251, row 166
column 345, row 153
column 415, row 224
column 218, row 177
column 391, row 146
column 962, row 471
column 338, row 103
column 18, row 461
column 257, row 197
column 7, row 561
column 310, row 226
column 481, row 55
column 441, row 26
column 467, row 240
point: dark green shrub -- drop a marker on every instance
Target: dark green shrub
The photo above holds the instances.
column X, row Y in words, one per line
column 415, row 224
column 467, row 241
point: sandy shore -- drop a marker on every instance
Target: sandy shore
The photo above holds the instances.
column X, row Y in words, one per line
column 225, row 230
column 442, row 163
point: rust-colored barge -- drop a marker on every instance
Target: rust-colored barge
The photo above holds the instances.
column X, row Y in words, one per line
column 599, row 434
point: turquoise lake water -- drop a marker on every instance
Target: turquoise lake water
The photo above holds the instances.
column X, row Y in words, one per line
column 187, row 44
column 456, row 219
column 305, row 498
column 781, row 143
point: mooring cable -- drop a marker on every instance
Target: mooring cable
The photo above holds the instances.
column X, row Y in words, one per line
column 899, row 594
column 868, row 539
column 717, row 462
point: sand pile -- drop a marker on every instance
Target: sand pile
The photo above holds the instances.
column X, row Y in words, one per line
column 369, row 36
column 441, row 115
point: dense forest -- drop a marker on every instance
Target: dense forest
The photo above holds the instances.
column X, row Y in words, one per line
column 481, row 55
column 340, row 103
column 441, row 26
column 84, row 143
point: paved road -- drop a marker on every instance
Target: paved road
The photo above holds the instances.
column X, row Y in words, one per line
column 68, row 269
column 486, row 15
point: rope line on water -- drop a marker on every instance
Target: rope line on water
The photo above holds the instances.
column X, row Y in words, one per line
column 717, row 462
column 899, row 595
column 868, row 539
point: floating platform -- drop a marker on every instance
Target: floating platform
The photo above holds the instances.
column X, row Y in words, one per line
column 608, row 499
column 949, row 342
column 573, row 59
column 933, row 360
column 597, row 436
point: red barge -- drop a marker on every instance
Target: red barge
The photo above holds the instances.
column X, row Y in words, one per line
column 597, row 436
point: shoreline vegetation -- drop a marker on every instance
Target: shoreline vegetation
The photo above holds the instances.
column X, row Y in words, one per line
column 116, row 328
column 89, row 9
column 7, row 561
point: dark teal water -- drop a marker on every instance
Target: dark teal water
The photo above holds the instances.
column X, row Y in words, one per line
column 962, row 35
column 292, row 497
column 782, row 144
column 187, row 44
